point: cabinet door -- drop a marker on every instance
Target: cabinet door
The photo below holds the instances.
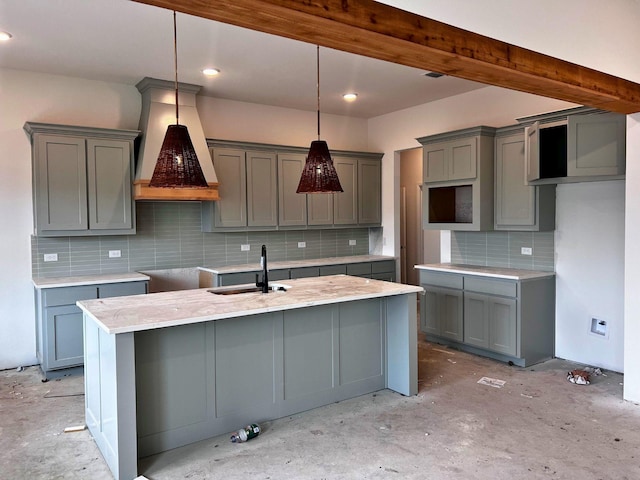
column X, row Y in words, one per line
column 63, row 337
column 262, row 189
column 230, row 167
column 515, row 201
column 429, row 321
column 450, row 313
column 463, row 158
column 596, row 145
column 435, row 162
column 532, row 151
column 319, row 209
column 369, row 192
column 345, row 204
column 61, row 183
column 502, row 325
column 476, row 320
column 292, row 206
column 109, row 178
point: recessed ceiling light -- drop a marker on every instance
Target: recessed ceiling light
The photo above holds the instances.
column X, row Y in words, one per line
column 5, row 36
column 211, row 72
column 350, row 97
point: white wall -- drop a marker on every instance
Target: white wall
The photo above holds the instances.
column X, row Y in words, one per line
column 230, row 120
column 590, row 272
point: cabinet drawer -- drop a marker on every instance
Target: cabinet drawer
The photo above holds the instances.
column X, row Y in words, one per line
column 239, row 278
column 450, row 280
column 282, row 274
column 68, row 295
column 359, row 269
column 333, row 270
column 491, row 286
column 304, row 272
column 383, row 267
column 121, row 289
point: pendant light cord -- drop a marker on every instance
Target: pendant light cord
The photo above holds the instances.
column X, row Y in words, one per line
column 318, row 84
column 175, row 62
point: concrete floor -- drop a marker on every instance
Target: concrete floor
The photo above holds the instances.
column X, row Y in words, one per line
column 537, row 426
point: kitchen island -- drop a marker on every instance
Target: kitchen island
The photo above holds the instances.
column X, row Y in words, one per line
column 168, row 369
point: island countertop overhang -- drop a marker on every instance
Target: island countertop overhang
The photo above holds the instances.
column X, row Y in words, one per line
column 166, row 309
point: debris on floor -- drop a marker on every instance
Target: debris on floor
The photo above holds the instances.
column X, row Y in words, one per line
column 76, row 428
column 492, row 382
column 246, row 433
column 579, row 377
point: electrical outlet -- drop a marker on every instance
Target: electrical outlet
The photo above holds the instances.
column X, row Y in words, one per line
column 352, row 243
column 302, row 244
column 245, row 247
column 115, row 253
column 526, row 251
column 50, row 257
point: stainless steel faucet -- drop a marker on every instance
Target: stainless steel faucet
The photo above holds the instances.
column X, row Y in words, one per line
column 265, row 275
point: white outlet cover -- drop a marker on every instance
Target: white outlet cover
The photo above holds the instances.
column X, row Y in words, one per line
column 526, row 251
column 245, row 247
column 115, row 253
column 352, row 243
column 302, row 244
column 50, row 257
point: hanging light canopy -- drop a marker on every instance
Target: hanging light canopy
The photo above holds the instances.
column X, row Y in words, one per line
column 177, row 165
column 319, row 175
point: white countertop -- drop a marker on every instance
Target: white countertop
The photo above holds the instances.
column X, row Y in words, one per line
column 55, row 282
column 311, row 262
column 495, row 272
column 167, row 309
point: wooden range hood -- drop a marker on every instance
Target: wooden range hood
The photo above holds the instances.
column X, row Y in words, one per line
column 375, row 30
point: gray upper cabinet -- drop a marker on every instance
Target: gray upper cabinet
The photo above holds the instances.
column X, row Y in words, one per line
column 292, row 211
column 596, row 145
column 369, row 192
column 258, row 183
column 82, row 180
column 345, row 204
column 450, row 160
column 458, row 175
column 262, row 189
column 518, row 205
column 319, row 209
column 248, row 191
column 576, row 145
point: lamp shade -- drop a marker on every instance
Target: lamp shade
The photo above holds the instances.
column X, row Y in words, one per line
column 319, row 175
column 177, row 164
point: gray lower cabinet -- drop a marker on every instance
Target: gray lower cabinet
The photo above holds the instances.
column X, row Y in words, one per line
column 518, row 205
column 443, row 312
column 509, row 320
column 379, row 270
column 82, row 180
column 59, row 322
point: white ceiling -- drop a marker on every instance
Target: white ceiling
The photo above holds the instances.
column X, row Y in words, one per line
column 122, row 41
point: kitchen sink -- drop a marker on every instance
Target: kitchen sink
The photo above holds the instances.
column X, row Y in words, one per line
column 273, row 287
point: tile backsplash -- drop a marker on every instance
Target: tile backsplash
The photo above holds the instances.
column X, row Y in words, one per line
column 169, row 236
column 503, row 249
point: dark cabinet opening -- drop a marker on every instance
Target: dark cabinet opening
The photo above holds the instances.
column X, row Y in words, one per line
column 451, row 204
column 553, row 152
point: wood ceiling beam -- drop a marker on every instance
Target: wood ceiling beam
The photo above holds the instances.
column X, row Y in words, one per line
column 375, row 30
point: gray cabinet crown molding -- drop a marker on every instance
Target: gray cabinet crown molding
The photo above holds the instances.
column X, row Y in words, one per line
column 481, row 130
column 557, row 116
column 32, row 128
